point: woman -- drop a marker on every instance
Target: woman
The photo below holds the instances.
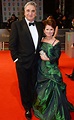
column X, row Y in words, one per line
column 51, row 102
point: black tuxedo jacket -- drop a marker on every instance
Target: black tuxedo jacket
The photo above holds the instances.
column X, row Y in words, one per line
column 21, row 43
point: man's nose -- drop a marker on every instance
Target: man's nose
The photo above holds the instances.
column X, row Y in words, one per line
column 30, row 13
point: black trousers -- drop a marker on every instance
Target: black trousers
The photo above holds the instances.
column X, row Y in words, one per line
column 27, row 79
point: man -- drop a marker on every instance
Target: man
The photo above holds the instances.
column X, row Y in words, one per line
column 24, row 44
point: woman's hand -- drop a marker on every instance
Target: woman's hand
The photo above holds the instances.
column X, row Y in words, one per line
column 43, row 56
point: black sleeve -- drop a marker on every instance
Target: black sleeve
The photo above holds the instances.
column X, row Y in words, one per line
column 13, row 41
column 56, row 52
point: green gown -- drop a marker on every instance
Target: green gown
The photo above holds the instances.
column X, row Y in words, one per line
column 51, row 102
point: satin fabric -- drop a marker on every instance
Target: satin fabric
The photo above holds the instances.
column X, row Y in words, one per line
column 51, row 102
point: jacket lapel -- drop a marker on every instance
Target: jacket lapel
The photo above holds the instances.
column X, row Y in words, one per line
column 39, row 31
column 26, row 29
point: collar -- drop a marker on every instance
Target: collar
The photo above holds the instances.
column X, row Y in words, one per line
column 28, row 21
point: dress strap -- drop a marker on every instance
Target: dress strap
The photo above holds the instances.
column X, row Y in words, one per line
column 53, row 41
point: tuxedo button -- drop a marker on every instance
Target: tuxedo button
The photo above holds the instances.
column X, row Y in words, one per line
column 35, row 52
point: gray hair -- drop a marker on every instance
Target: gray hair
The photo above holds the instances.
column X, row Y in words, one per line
column 30, row 3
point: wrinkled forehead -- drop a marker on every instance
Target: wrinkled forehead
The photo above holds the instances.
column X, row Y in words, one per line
column 31, row 3
column 30, row 7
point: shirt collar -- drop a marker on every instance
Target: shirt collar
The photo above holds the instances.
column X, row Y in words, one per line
column 28, row 21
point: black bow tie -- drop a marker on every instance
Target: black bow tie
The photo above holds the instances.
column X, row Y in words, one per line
column 31, row 24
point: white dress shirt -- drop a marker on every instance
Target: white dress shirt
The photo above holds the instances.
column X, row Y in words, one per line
column 34, row 33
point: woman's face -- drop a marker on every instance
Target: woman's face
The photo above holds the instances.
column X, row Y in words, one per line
column 48, row 31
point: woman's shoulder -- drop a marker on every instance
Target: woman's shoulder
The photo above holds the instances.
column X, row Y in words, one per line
column 56, row 41
column 43, row 39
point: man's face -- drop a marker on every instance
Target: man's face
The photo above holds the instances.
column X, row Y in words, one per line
column 30, row 12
